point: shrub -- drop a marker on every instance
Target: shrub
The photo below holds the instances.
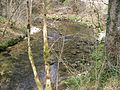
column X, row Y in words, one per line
column 97, row 78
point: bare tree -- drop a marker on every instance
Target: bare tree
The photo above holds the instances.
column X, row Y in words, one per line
column 1, row 8
column 29, row 6
column 46, row 50
column 113, row 34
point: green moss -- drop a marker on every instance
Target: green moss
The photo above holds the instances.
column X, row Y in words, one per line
column 46, row 51
column 39, row 86
column 9, row 42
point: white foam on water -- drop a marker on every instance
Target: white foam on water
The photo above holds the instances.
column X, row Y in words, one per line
column 34, row 30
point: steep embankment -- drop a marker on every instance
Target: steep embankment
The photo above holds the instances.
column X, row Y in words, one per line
column 10, row 34
column 78, row 43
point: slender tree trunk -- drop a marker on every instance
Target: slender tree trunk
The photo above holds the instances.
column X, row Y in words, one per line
column 7, row 9
column 113, row 33
column 39, row 86
column 10, row 8
column 46, row 50
column 1, row 8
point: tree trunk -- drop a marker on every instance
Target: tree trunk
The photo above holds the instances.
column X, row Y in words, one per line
column 46, row 50
column 1, row 8
column 113, row 33
column 30, row 55
column 9, row 8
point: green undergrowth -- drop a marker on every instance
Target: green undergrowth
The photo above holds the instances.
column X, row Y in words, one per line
column 10, row 38
column 2, row 19
column 9, row 42
column 100, row 77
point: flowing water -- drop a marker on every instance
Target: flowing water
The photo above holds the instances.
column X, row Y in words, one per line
column 15, row 70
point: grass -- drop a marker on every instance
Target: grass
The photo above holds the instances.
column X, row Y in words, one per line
column 99, row 77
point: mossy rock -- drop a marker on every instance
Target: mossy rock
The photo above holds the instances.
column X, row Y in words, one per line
column 10, row 42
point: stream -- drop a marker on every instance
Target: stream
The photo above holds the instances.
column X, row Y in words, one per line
column 15, row 70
